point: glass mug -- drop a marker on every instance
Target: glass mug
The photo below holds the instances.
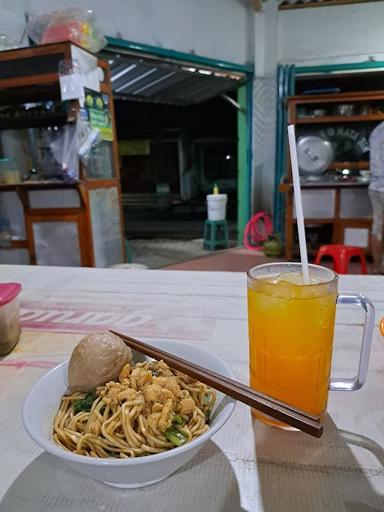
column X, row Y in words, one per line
column 291, row 329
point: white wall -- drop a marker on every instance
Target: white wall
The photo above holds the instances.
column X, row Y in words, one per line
column 264, row 130
column 12, row 18
column 213, row 28
column 346, row 33
column 228, row 30
column 321, row 35
column 264, row 107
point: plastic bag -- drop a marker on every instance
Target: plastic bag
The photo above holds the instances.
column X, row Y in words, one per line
column 74, row 25
column 88, row 137
column 64, row 150
column 75, row 141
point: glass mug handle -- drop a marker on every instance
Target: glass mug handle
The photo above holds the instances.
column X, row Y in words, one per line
column 354, row 383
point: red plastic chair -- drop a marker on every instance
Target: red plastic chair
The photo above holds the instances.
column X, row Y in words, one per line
column 341, row 254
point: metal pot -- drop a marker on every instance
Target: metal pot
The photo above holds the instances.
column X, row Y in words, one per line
column 314, row 154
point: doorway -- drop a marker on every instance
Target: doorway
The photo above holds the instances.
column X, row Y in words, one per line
column 177, row 126
column 170, row 158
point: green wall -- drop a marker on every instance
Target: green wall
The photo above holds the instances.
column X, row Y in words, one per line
column 244, row 156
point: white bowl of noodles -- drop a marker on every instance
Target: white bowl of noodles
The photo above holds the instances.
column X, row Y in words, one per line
column 42, row 404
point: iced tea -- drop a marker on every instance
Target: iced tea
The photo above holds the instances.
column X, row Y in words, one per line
column 291, row 334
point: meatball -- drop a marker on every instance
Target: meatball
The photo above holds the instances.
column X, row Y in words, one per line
column 97, row 359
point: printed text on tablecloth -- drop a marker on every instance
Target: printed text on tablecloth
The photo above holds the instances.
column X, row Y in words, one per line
column 82, row 317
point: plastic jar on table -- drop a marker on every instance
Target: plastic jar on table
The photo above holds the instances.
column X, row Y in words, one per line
column 9, row 173
column 10, row 326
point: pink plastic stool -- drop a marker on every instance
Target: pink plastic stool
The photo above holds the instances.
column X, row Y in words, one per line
column 341, row 254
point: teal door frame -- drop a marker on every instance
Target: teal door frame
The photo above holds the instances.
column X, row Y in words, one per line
column 366, row 65
column 244, row 156
column 244, row 116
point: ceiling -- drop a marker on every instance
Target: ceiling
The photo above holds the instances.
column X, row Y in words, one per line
column 157, row 80
column 300, row 4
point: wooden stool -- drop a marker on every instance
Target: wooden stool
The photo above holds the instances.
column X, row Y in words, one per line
column 341, row 254
column 215, row 234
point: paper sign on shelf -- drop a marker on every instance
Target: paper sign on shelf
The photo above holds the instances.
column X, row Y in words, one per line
column 97, row 112
column 89, row 70
column 71, row 87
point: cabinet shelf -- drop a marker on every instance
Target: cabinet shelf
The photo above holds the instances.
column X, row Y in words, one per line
column 361, row 164
column 36, row 185
column 340, row 119
column 42, row 120
column 15, row 244
column 316, row 222
column 288, row 187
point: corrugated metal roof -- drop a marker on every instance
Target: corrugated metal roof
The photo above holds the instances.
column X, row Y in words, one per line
column 158, row 81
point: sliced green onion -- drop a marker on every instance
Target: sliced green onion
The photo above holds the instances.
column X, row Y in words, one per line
column 85, row 404
column 179, row 420
column 176, row 437
column 206, row 399
column 208, row 415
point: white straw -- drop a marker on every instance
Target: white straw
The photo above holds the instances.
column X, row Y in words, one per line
column 298, row 203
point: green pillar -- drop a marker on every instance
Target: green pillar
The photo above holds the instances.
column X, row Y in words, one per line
column 244, row 97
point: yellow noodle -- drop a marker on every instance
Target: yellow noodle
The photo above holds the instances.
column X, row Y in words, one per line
column 150, row 449
column 119, row 422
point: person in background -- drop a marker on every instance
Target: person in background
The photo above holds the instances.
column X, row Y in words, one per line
column 376, row 195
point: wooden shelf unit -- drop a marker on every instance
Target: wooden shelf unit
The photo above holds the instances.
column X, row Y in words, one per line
column 31, row 75
column 338, row 221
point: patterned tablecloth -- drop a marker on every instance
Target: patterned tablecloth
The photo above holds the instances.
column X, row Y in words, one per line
column 247, row 466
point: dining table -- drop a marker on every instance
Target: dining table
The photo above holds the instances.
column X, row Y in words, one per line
column 247, row 465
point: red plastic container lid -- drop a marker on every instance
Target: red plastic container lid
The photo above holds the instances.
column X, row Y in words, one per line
column 8, row 292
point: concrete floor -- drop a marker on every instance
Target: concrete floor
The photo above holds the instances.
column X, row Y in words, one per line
column 159, row 253
column 176, row 229
column 173, row 254
column 237, row 259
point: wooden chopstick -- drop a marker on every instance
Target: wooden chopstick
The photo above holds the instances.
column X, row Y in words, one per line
column 294, row 417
